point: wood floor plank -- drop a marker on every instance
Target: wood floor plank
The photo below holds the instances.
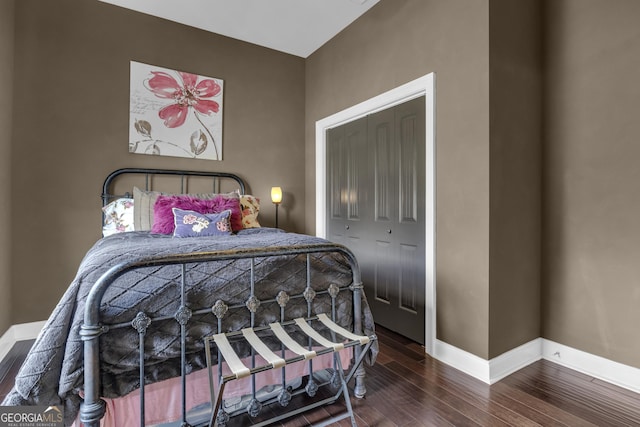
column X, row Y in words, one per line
column 631, row 395
column 370, row 415
column 481, row 408
column 447, row 396
column 423, row 401
column 583, row 391
column 615, row 397
column 571, row 399
column 536, row 409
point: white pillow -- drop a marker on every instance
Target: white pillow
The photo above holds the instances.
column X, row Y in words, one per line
column 118, row 217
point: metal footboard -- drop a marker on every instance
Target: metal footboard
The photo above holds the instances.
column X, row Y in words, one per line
column 92, row 409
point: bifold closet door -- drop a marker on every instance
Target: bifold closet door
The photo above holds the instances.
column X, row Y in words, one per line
column 396, row 281
column 386, row 230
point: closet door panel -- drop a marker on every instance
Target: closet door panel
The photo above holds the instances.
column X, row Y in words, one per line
column 409, row 231
column 408, row 278
column 377, row 173
column 335, row 175
column 383, row 182
column 383, row 277
column 408, row 168
column 346, row 193
column 356, row 171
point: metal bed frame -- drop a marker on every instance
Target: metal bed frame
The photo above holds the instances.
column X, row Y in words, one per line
column 93, row 407
column 149, row 173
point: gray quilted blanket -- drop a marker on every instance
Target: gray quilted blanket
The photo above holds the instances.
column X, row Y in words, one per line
column 53, row 372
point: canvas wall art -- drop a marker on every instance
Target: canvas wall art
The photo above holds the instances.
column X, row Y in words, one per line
column 174, row 113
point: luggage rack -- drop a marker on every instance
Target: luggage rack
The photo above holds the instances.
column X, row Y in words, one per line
column 278, row 331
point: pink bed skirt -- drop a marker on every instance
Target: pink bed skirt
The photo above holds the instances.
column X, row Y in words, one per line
column 163, row 400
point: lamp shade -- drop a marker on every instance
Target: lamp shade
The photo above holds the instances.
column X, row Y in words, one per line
column 276, row 195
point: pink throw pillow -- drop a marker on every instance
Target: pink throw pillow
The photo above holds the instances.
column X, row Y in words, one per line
column 163, row 221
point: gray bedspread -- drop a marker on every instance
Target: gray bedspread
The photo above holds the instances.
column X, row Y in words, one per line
column 52, row 374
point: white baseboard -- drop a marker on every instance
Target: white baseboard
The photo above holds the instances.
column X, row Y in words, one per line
column 19, row 332
column 491, row 371
column 515, row 359
column 462, row 360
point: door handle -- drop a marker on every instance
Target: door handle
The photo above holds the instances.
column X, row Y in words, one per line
column 389, row 231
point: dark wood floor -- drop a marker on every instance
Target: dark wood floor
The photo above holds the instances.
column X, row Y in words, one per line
column 407, row 388
column 11, row 364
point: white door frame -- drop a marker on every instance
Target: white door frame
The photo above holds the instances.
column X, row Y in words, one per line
column 424, row 85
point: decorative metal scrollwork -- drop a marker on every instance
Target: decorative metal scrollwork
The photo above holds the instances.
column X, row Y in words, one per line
column 334, row 290
column 222, row 419
column 92, row 412
column 253, row 303
column 284, row 397
column 309, row 294
column 141, row 322
column 282, row 299
column 220, row 309
column 356, row 286
column 311, row 388
column 182, row 315
column 88, row 333
column 254, row 408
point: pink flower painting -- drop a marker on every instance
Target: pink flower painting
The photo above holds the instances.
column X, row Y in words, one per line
column 175, row 113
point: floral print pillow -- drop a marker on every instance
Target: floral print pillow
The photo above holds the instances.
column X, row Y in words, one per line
column 118, row 217
column 250, row 207
column 193, row 224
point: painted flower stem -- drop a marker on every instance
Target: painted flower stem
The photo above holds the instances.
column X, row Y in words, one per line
column 197, row 116
column 157, row 141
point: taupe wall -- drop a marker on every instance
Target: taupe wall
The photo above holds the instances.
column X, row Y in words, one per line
column 515, row 174
column 70, row 128
column 395, row 42
column 591, row 279
column 6, row 106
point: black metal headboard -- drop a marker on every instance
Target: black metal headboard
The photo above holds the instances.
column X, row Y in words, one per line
column 106, row 195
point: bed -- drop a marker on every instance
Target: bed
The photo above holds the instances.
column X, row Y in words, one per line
column 143, row 300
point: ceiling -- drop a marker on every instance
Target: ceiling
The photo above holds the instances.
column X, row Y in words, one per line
column 297, row 27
